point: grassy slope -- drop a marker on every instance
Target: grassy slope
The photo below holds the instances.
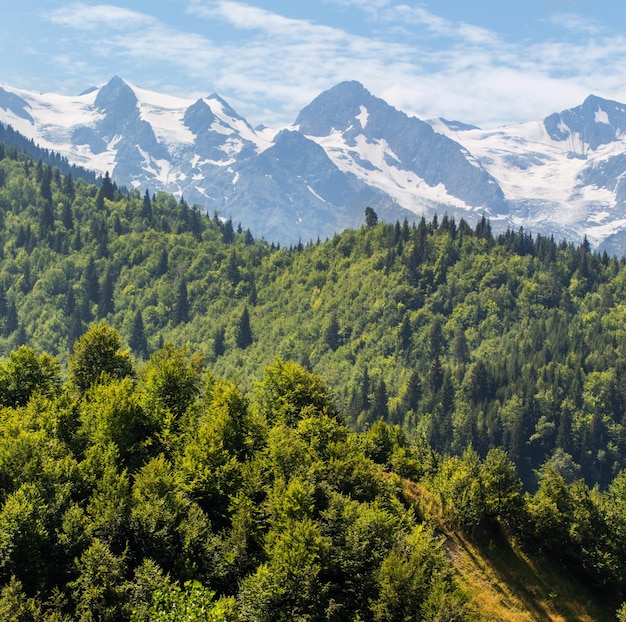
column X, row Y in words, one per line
column 506, row 584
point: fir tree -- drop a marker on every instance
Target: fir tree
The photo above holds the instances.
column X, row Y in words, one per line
column 137, row 340
column 243, row 330
column 379, row 408
column 105, row 301
column 67, row 218
column 107, row 188
column 146, row 206
column 219, row 344
column 92, row 287
column 331, row 334
column 181, row 307
column 162, row 266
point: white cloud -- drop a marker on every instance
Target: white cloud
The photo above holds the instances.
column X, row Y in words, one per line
column 270, row 65
column 576, row 23
column 89, row 17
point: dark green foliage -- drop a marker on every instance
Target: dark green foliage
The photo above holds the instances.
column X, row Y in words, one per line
column 181, row 306
column 371, row 218
column 219, row 345
column 243, row 330
column 331, row 333
column 137, row 340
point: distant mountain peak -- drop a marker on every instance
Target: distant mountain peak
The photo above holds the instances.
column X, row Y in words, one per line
column 116, row 97
column 595, row 122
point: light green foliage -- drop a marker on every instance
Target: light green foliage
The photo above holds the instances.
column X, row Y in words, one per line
column 191, row 602
column 413, row 582
column 23, row 535
column 16, row 606
column 501, row 484
column 24, row 373
column 288, row 586
column 288, row 391
column 98, row 356
column 460, row 489
column 113, row 413
column 172, row 380
column 99, row 589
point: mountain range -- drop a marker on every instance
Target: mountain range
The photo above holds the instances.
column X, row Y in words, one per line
column 561, row 176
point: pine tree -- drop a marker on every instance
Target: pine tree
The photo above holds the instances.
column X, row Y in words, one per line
column 219, row 345
column 105, row 301
column 46, row 219
column 371, row 218
column 107, row 188
column 228, row 233
column 68, row 187
column 162, row 266
column 412, row 393
column 331, row 334
column 67, row 218
column 404, row 333
column 45, row 188
column 92, row 287
column 181, row 308
column 11, row 321
column 146, row 206
column 137, row 340
column 232, row 269
column 243, row 331
column 379, row 408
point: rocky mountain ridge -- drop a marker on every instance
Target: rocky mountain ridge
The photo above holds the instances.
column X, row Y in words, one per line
column 346, row 150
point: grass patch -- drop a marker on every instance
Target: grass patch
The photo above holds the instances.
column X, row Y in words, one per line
column 505, row 583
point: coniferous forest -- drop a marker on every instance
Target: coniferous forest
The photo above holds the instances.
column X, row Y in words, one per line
column 197, row 423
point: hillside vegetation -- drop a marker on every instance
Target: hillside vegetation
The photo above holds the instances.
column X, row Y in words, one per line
column 367, row 428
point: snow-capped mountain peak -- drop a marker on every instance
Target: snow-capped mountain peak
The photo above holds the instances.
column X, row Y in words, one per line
column 346, row 150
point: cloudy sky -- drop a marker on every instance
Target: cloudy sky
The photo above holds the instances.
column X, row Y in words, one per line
column 486, row 62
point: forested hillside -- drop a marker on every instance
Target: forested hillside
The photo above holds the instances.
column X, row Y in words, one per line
column 191, row 417
column 514, row 341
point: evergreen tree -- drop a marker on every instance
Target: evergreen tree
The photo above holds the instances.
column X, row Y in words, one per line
column 92, row 286
column 243, row 330
column 105, row 300
column 107, row 188
column 46, row 219
column 379, row 407
column 162, row 266
column 181, row 307
column 219, row 341
column 371, row 218
column 232, row 268
column 137, row 340
column 67, row 218
column 146, row 206
column 228, row 233
column 331, row 334
column 412, row 393
column 68, row 187
column 404, row 333
column 11, row 321
column 45, row 188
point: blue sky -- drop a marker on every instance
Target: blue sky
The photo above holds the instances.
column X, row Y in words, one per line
column 486, row 62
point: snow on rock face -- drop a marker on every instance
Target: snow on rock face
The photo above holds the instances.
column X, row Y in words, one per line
column 363, row 116
column 564, row 175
